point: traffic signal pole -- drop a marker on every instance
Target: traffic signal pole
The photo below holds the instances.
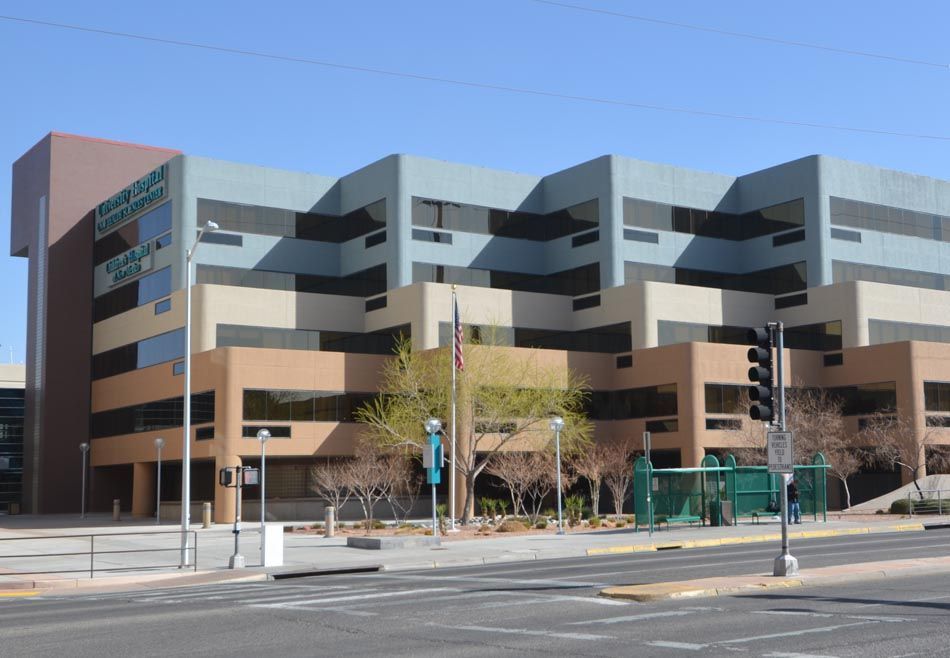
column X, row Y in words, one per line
column 785, row 564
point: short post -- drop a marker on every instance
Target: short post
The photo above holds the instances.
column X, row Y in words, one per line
column 206, row 515
column 84, row 449
column 116, row 509
column 646, row 453
column 237, row 560
column 329, row 523
column 159, row 442
column 939, row 504
column 557, row 424
column 432, row 461
column 910, row 504
column 262, row 435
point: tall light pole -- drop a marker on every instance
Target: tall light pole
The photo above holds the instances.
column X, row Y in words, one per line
column 84, row 449
column 159, row 443
column 557, row 424
column 186, row 434
column 262, row 435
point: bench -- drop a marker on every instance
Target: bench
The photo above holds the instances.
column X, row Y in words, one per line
column 681, row 519
column 758, row 515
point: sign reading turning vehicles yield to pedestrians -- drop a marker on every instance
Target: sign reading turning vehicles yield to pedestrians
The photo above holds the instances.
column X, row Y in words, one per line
column 780, row 452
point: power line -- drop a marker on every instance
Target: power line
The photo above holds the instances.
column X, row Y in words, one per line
column 746, row 35
column 478, row 85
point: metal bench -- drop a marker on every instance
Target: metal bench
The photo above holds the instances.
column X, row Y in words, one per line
column 682, row 519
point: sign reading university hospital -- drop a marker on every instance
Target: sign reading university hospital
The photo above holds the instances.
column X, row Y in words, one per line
column 124, row 205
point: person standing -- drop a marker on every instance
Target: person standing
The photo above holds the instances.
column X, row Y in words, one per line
column 794, row 509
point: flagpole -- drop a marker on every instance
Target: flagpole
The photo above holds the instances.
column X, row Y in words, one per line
column 452, row 470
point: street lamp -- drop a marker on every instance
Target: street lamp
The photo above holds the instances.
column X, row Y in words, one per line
column 186, row 434
column 262, row 435
column 84, row 449
column 433, row 427
column 557, row 424
column 159, row 443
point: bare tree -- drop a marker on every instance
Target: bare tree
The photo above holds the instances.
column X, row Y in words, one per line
column 543, row 480
column 748, row 438
column 370, row 477
column 591, row 464
column 516, row 470
column 405, row 486
column 893, row 440
column 331, row 482
column 618, row 474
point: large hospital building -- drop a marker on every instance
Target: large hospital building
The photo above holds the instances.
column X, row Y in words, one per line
column 643, row 277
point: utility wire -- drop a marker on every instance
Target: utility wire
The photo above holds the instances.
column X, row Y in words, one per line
column 477, row 85
column 746, row 35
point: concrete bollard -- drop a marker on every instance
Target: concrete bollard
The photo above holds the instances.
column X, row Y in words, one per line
column 116, row 509
column 328, row 522
column 206, row 515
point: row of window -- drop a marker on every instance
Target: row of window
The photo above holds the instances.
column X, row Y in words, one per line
column 377, row 342
column 645, row 402
column 12, row 409
column 860, row 399
column 150, row 416
column 610, row 339
column 888, row 219
column 261, row 220
column 430, row 213
column 772, row 281
column 365, row 283
column 886, row 331
column 148, row 226
column 713, row 223
column 821, row 336
column 578, row 281
column 303, row 406
column 142, row 354
column 148, row 288
column 844, row 271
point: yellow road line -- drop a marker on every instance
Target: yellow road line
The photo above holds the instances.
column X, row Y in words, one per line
column 22, row 593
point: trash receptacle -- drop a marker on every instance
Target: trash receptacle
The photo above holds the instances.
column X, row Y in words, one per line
column 13, row 508
column 715, row 507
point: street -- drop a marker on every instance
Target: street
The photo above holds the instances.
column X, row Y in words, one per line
column 541, row 607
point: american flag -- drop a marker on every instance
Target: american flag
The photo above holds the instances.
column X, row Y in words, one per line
column 457, row 323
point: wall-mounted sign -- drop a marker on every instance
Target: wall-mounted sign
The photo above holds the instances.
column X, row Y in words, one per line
column 135, row 261
column 121, row 207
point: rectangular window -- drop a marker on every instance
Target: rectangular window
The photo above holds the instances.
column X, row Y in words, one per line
column 723, row 424
column 447, row 215
column 150, row 416
column 375, row 303
column 886, row 331
column 151, row 224
column 625, row 361
column 374, row 239
column 937, row 396
column 841, row 234
column 836, row 359
column 150, row 287
column 641, row 236
column 148, row 352
column 844, row 271
column 714, row 223
column 888, row 219
column 226, row 239
column 646, row 402
column 163, row 306
column 261, row 220
column 663, row 425
column 431, row 236
column 276, row 431
column 585, row 238
column 178, row 368
column 205, row 433
column 164, row 241
column 365, row 283
column 725, row 398
column 788, row 238
column 586, row 302
column 303, row 406
column 791, row 300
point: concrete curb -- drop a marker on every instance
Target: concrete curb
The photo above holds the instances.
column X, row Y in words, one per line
column 753, row 539
column 151, row 580
column 726, row 586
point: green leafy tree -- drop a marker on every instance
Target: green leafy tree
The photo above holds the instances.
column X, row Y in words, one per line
column 505, row 399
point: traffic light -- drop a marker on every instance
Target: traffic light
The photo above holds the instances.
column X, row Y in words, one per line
column 760, row 394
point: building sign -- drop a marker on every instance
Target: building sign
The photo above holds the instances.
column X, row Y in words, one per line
column 133, row 262
column 121, row 207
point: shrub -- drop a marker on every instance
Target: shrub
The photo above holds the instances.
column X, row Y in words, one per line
column 595, row 522
column 900, row 506
column 502, row 507
column 620, row 523
column 376, row 525
column 488, row 505
column 542, row 524
column 512, row 525
column 440, row 511
column 575, row 509
column 485, row 529
column 551, row 513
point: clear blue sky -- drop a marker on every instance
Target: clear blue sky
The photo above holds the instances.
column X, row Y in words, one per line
column 331, row 121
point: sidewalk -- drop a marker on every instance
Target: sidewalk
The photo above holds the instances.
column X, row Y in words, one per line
column 159, row 556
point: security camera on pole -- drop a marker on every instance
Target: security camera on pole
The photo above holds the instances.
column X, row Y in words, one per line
column 763, row 408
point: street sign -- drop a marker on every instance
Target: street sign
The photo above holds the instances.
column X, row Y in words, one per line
column 433, row 460
column 780, row 452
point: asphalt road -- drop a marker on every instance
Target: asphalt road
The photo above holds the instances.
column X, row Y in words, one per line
column 545, row 607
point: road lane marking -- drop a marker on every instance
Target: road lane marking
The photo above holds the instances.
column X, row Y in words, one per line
column 807, row 631
column 358, row 597
column 647, row 615
column 797, row 655
column 507, row 581
column 809, row 613
column 688, row 646
column 526, row 631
